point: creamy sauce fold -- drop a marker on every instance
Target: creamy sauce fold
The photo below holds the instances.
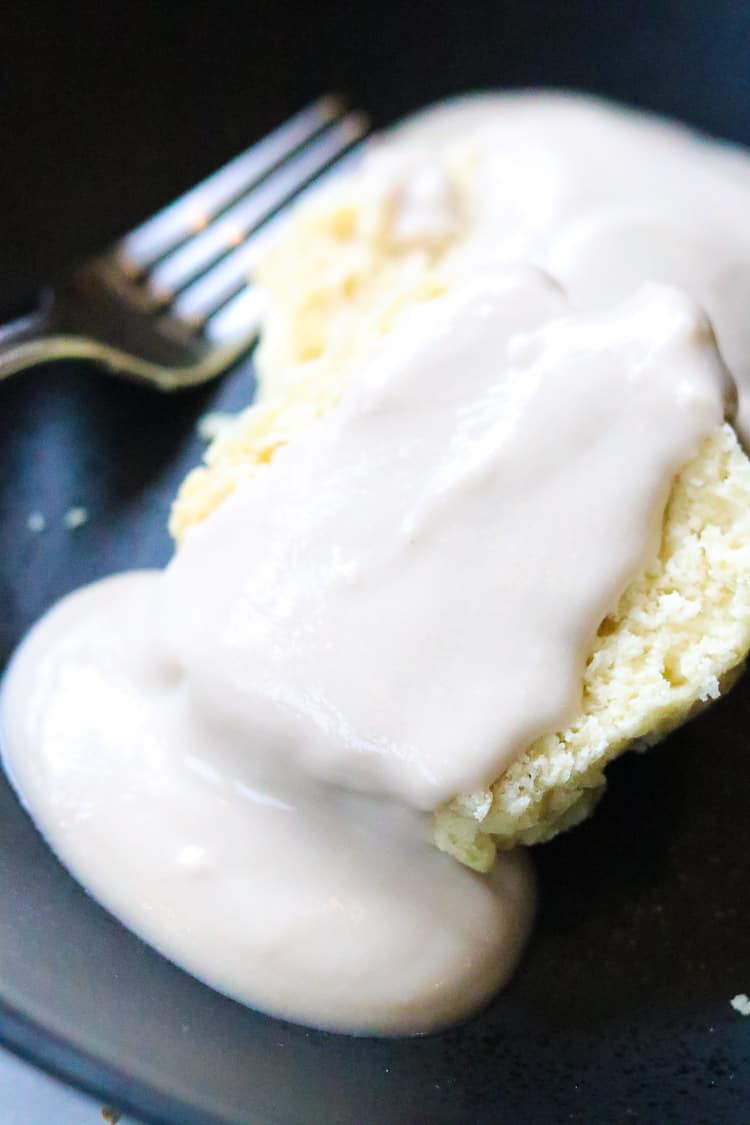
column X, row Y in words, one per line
column 238, row 755
column 602, row 197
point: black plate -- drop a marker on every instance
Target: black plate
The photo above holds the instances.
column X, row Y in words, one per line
column 620, row 1011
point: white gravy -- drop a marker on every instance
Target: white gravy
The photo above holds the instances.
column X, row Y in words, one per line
column 602, row 198
column 238, row 755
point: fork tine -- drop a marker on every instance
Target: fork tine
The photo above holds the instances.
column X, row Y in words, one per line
column 239, row 320
column 194, row 210
column 176, row 270
column 205, row 296
column 209, row 292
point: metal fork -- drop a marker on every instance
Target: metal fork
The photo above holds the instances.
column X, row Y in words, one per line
column 173, row 302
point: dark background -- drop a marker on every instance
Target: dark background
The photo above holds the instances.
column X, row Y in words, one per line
column 108, row 110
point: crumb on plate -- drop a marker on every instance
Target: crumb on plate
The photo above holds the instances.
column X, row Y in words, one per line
column 75, row 517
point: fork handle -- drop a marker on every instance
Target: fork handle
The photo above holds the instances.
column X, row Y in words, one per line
column 31, row 340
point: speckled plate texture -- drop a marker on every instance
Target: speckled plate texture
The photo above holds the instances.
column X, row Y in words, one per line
column 620, row 1010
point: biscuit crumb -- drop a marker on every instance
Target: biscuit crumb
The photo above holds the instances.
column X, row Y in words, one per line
column 741, row 1004
column 75, row 517
column 212, row 424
